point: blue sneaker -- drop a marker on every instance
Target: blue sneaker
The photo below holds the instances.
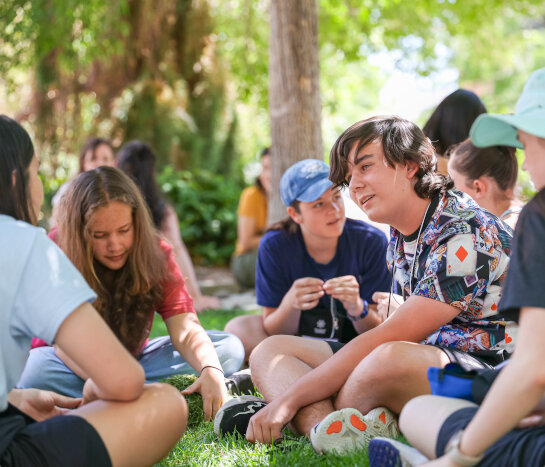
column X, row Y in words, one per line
column 386, row 452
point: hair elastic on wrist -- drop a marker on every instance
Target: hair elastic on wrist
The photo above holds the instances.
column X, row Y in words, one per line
column 212, row 366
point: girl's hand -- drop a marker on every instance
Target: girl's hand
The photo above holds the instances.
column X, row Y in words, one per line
column 211, row 386
column 347, row 290
column 305, row 293
column 41, row 405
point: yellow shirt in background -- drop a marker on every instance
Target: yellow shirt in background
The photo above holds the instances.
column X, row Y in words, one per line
column 253, row 203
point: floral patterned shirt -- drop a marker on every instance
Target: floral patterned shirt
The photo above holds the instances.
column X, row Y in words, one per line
column 462, row 257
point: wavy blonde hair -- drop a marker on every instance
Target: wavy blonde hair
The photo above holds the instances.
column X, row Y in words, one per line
column 128, row 296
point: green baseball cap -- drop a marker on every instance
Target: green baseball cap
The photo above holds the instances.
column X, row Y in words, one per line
column 529, row 116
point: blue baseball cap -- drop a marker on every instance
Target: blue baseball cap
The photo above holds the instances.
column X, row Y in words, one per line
column 529, row 116
column 305, row 180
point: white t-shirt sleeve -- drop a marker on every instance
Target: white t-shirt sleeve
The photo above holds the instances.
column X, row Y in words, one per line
column 48, row 290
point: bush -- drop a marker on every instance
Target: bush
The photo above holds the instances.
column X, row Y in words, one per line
column 206, row 205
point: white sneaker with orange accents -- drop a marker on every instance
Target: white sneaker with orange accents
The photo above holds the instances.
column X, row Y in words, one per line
column 347, row 429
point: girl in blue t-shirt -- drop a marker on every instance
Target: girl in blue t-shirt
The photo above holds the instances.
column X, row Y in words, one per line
column 43, row 295
column 316, row 271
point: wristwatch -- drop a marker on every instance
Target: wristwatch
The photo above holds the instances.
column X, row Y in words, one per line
column 452, row 451
column 363, row 313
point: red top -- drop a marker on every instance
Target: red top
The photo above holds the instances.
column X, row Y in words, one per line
column 176, row 299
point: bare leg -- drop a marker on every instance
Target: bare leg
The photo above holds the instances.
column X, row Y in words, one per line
column 423, row 417
column 140, row 432
column 249, row 329
column 390, row 376
column 279, row 361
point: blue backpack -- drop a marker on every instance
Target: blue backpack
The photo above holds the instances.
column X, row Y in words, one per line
column 454, row 381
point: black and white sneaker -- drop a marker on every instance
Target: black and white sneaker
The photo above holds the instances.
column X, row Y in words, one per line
column 235, row 415
column 240, row 383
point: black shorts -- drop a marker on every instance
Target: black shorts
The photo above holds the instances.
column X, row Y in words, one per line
column 65, row 440
column 521, row 447
column 467, row 361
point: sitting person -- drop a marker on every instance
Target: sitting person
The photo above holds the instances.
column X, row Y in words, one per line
column 489, row 176
column 105, row 229
column 252, row 220
column 450, row 123
column 96, row 152
column 316, row 270
column 457, row 431
column 448, row 259
column 44, row 295
column 137, row 160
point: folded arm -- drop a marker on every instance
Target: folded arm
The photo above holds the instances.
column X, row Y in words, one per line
column 113, row 373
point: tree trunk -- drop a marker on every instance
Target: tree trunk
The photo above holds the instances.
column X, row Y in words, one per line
column 294, row 91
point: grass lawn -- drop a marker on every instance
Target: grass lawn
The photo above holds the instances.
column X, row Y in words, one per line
column 201, row 447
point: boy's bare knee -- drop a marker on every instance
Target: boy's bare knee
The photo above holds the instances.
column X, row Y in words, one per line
column 267, row 348
column 234, row 326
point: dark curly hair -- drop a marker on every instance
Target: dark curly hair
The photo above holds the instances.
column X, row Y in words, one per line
column 401, row 140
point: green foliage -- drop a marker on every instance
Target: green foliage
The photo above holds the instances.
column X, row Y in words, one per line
column 209, row 319
column 206, row 204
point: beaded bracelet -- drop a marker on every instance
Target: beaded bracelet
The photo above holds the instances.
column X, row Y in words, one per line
column 212, row 366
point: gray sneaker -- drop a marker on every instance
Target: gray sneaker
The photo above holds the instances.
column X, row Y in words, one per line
column 240, row 383
column 347, row 429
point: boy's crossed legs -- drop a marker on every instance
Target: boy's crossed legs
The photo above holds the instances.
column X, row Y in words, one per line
column 389, row 376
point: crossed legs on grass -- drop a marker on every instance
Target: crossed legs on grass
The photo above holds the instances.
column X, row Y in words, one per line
column 389, row 376
column 279, row 361
column 139, row 432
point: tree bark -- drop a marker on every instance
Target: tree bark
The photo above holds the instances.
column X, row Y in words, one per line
column 294, row 91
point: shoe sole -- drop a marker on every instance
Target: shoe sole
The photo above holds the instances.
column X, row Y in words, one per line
column 342, row 431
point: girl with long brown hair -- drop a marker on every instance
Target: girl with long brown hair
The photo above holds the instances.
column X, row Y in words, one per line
column 43, row 294
column 105, row 229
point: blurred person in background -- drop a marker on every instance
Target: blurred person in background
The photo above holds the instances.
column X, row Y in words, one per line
column 252, row 220
column 137, row 160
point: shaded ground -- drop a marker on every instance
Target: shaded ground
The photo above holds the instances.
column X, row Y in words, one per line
column 219, row 281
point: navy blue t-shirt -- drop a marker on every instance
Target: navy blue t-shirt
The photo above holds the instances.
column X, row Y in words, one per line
column 525, row 281
column 283, row 258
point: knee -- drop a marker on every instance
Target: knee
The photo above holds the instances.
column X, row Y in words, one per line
column 261, row 359
column 234, row 326
column 410, row 410
column 386, row 361
column 167, row 400
column 267, row 349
